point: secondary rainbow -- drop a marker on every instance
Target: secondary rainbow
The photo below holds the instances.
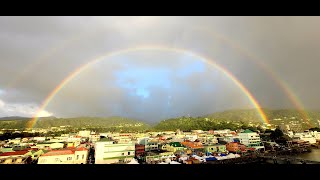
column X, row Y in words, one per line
column 208, row 61
column 294, row 99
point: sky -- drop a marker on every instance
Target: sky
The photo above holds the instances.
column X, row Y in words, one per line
column 38, row 53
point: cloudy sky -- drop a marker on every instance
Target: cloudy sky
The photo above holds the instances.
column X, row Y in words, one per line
column 37, row 53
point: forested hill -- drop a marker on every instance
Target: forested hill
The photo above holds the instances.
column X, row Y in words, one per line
column 79, row 122
column 234, row 119
column 252, row 115
column 228, row 119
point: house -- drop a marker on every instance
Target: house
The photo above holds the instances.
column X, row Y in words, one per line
column 235, row 147
column 49, row 145
column 64, row 156
column 14, row 141
column 151, row 145
column 139, row 150
column 216, row 148
column 195, row 147
column 155, row 156
column 94, row 137
column 84, row 133
column 175, row 146
column 108, row 152
column 16, row 157
column 164, row 146
column 15, row 154
column 250, row 139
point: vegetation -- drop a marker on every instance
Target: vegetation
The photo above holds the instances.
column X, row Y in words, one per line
column 233, row 119
column 94, row 123
column 191, row 123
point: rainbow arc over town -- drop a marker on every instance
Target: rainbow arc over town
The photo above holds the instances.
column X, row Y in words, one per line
column 204, row 59
column 285, row 87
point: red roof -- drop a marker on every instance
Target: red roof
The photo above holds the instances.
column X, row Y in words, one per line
column 16, row 153
column 81, row 149
column 30, row 149
column 58, row 152
column 77, row 149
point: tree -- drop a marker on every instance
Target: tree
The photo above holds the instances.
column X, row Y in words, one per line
column 315, row 129
column 277, row 134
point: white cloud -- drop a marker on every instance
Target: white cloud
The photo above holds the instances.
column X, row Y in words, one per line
column 44, row 113
column 26, row 110
column 2, row 104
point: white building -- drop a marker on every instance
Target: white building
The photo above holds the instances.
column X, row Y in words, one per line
column 191, row 137
column 107, row 152
column 305, row 136
column 65, row 156
column 94, row 137
column 84, row 133
column 222, row 132
column 39, row 139
column 250, row 139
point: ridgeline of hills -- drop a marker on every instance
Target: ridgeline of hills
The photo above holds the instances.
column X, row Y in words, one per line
column 234, row 119
column 231, row 119
column 107, row 123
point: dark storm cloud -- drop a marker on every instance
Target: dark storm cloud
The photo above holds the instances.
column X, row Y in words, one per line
column 37, row 53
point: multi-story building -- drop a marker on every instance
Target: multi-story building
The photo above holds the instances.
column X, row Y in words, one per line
column 305, row 136
column 218, row 148
column 65, row 156
column 250, row 139
column 175, row 146
column 108, row 152
column 94, row 137
column 84, row 133
column 139, row 150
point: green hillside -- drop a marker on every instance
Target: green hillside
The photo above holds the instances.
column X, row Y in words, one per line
column 232, row 119
column 80, row 122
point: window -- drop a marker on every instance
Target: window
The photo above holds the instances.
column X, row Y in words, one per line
column 57, row 159
column 82, row 156
column 122, row 154
column 69, row 158
column 77, row 157
column 128, row 153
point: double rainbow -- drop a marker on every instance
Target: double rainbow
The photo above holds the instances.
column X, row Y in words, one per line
column 204, row 59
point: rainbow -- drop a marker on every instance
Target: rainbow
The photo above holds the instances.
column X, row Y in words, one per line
column 294, row 99
column 283, row 86
column 208, row 61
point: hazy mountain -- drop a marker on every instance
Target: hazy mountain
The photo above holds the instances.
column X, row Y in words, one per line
column 226, row 119
column 15, row 118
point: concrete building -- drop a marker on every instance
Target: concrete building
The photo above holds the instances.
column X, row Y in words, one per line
column 107, row 152
column 65, row 156
column 84, row 133
column 250, row 139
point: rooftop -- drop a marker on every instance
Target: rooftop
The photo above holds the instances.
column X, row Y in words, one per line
column 15, row 153
column 59, row 152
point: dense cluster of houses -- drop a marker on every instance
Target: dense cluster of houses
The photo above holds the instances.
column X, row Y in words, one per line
column 174, row 147
column 167, row 147
column 65, row 149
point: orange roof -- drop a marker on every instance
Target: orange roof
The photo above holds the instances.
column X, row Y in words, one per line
column 77, row 149
column 81, row 149
column 193, row 145
column 58, row 152
column 16, row 153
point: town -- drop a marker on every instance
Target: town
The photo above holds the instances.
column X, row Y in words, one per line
column 277, row 145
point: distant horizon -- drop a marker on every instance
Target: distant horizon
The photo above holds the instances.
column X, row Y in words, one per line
column 128, row 117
